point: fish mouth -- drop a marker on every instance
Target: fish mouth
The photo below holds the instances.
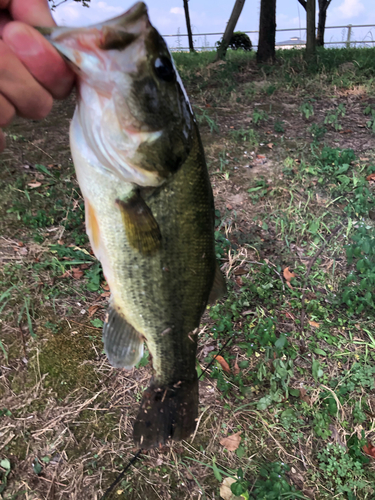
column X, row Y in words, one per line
column 84, row 48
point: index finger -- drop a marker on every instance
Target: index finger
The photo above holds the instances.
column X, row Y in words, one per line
column 32, row 12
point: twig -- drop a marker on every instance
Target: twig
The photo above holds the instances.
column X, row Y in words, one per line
column 85, row 326
column 309, row 267
column 40, row 149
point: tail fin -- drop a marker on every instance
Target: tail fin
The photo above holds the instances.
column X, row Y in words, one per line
column 166, row 413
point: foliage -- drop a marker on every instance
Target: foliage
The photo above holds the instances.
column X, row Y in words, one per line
column 55, row 3
column 332, row 117
column 239, row 40
column 203, row 117
column 343, row 472
column 271, row 485
column 359, row 286
column 259, row 115
column 307, row 109
column 370, row 112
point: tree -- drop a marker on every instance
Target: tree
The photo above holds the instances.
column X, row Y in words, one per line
column 188, row 25
column 322, row 17
column 310, row 29
column 267, row 32
column 53, row 4
column 236, row 12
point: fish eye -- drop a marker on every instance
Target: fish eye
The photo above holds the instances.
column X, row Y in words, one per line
column 164, row 69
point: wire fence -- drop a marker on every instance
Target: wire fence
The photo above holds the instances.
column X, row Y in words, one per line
column 367, row 41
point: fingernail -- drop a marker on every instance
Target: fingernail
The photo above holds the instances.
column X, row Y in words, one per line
column 22, row 40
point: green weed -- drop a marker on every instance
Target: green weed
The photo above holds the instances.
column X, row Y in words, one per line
column 249, row 136
column 332, row 117
column 204, row 118
column 307, row 110
column 343, row 473
column 370, row 112
column 259, row 115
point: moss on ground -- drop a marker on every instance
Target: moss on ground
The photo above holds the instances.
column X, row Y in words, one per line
column 64, row 357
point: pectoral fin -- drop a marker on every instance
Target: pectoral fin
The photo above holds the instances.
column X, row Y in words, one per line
column 141, row 227
column 219, row 286
column 123, row 345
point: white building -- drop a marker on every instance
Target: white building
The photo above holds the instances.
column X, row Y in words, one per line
column 294, row 42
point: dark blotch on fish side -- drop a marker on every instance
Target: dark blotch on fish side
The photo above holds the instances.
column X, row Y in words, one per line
column 114, row 39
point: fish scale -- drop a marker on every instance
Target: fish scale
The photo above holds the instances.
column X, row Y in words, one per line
column 149, row 209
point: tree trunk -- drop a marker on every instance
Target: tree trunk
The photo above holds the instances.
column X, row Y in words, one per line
column 188, row 26
column 267, row 32
column 310, row 28
column 323, row 6
column 236, row 12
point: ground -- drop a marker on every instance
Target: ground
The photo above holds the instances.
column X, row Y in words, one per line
column 290, row 150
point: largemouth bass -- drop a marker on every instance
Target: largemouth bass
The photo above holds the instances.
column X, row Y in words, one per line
column 149, row 209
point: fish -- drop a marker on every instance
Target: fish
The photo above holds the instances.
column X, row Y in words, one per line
column 149, row 209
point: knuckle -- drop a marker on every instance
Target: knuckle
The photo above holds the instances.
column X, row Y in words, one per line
column 44, row 109
column 7, row 112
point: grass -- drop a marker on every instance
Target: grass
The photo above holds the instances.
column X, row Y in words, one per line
column 292, row 177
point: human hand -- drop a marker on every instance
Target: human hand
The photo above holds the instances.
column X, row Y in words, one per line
column 32, row 72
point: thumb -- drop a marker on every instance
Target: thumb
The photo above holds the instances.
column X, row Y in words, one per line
column 32, row 12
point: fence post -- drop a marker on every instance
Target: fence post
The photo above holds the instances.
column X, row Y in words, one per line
column 349, row 36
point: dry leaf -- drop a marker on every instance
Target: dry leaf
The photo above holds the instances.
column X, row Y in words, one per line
column 93, row 309
column 304, row 396
column 105, row 294
column 369, row 449
column 34, row 185
column 225, row 491
column 370, row 178
column 232, row 442
column 224, row 365
column 270, row 145
column 105, row 286
column 288, row 275
column 240, row 271
column 229, row 207
column 77, row 273
column 236, row 369
column 21, row 250
column 239, row 281
column 289, row 315
column 67, row 274
column 314, row 324
column 245, row 313
column 289, row 285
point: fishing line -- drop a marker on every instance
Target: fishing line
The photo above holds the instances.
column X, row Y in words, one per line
column 214, row 358
column 121, row 475
column 134, row 459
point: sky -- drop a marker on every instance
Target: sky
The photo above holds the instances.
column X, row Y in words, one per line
column 209, row 16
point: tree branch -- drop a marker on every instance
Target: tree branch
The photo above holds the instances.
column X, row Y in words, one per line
column 303, row 3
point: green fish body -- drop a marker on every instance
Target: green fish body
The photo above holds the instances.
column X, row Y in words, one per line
column 149, row 209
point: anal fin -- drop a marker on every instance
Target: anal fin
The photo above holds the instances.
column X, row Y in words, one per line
column 219, row 286
column 141, row 228
column 123, row 345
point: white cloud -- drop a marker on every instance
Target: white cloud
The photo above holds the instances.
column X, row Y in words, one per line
column 177, row 10
column 350, row 8
column 73, row 14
